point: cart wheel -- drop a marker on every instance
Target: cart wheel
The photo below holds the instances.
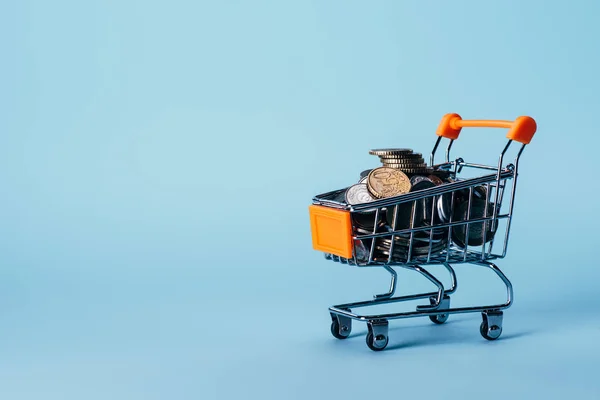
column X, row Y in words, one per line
column 490, row 333
column 439, row 319
column 335, row 330
column 379, row 344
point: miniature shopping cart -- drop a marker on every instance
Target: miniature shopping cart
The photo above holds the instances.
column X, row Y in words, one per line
column 453, row 210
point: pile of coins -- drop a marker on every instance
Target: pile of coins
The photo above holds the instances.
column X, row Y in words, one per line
column 405, row 160
column 404, row 171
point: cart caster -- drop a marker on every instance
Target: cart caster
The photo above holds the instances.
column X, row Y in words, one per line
column 444, row 305
column 491, row 327
column 341, row 326
column 377, row 338
column 377, row 344
column 439, row 319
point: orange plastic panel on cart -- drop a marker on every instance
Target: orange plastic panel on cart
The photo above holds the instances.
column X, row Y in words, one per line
column 331, row 230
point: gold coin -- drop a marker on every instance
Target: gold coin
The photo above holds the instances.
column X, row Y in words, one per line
column 401, row 165
column 405, row 162
column 387, row 182
column 412, row 171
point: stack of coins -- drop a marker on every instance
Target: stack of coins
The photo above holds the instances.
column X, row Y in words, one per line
column 405, row 160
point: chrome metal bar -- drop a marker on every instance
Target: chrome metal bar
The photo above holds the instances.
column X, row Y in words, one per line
column 512, row 200
column 450, row 223
column 490, row 245
column 485, row 224
column 393, row 235
column 472, row 257
column 417, row 313
column 509, row 287
column 392, row 290
column 478, row 166
column 468, row 219
column 412, row 232
column 448, row 150
column 501, row 158
column 433, row 280
column 437, row 142
column 354, row 252
column 454, row 283
column 431, row 224
column 399, row 299
column 497, row 208
column 343, row 309
column 446, row 166
column 372, row 250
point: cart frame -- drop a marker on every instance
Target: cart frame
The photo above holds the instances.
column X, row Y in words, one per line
column 503, row 177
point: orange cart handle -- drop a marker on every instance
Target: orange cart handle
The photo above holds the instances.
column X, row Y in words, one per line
column 521, row 129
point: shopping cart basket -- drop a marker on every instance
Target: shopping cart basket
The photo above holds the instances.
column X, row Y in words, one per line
column 436, row 231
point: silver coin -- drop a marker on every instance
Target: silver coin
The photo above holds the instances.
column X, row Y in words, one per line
column 417, row 179
column 415, row 164
column 443, row 207
column 420, row 164
column 400, row 154
column 358, row 194
column 364, row 179
column 476, row 230
column 402, row 157
column 417, row 242
column 420, row 170
column 362, row 254
column 383, row 152
column 369, row 231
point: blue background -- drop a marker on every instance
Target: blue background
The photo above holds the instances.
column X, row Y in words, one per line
column 157, row 160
